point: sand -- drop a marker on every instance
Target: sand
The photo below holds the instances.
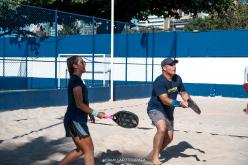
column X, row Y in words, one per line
column 218, row 136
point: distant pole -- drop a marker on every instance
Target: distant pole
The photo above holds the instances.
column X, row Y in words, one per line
column 93, row 52
column 153, row 51
column 58, row 85
column 112, row 53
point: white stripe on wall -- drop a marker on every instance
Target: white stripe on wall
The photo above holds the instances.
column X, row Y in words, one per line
column 192, row 70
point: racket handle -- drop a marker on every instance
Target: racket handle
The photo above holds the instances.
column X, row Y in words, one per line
column 108, row 116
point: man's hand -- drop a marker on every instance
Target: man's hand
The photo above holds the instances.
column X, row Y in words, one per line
column 184, row 104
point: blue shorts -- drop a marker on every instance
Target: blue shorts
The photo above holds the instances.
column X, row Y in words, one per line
column 76, row 129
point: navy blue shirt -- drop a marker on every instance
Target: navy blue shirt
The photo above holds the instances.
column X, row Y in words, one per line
column 73, row 113
column 163, row 86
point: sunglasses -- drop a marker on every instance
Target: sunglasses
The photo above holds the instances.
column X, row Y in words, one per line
column 83, row 62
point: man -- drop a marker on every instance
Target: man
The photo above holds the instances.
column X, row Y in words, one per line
column 246, row 86
column 162, row 103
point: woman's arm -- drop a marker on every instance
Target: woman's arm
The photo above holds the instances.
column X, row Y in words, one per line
column 77, row 93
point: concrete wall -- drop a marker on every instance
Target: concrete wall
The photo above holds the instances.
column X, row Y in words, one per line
column 44, row 98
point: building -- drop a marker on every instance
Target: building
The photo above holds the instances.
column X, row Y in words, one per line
column 168, row 24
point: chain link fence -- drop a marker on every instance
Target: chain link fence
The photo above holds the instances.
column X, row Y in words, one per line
column 23, row 28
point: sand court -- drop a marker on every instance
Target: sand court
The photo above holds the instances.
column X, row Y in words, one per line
column 218, row 136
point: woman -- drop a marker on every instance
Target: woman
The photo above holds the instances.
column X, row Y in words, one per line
column 246, row 86
column 75, row 120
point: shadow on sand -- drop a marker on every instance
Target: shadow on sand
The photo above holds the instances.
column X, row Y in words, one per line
column 39, row 151
column 118, row 158
column 177, row 151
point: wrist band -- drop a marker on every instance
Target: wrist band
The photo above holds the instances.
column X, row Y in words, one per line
column 176, row 103
column 94, row 113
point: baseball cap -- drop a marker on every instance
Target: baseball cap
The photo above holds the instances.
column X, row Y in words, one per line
column 168, row 61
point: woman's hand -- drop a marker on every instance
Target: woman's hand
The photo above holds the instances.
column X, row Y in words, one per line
column 101, row 115
column 92, row 118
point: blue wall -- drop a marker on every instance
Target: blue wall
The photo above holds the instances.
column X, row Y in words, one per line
column 213, row 44
column 197, row 89
column 159, row 44
column 20, row 83
column 212, row 90
column 44, row 98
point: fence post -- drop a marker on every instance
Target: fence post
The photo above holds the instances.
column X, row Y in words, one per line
column 126, row 55
column 175, row 45
column 57, row 85
column 26, row 63
column 153, row 51
column 4, row 54
column 93, row 51
column 147, row 48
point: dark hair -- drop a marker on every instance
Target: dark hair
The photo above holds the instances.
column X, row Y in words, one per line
column 70, row 61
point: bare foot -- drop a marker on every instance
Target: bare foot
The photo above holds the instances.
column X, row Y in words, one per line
column 156, row 162
column 149, row 157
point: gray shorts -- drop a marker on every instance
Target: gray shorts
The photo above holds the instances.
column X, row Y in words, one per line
column 156, row 115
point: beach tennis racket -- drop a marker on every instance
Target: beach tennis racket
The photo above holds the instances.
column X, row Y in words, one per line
column 124, row 119
column 194, row 106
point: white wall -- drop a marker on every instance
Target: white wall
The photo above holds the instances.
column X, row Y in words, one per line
column 192, row 70
column 212, row 70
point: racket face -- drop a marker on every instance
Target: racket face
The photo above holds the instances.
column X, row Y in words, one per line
column 126, row 119
column 194, row 106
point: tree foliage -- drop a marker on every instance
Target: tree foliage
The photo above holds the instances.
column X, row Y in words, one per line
column 233, row 17
column 222, row 12
column 15, row 19
column 125, row 10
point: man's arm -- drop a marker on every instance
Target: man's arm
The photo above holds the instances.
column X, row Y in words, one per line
column 167, row 101
column 185, row 96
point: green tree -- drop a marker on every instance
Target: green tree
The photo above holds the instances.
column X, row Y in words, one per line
column 125, row 10
column 233, row 17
